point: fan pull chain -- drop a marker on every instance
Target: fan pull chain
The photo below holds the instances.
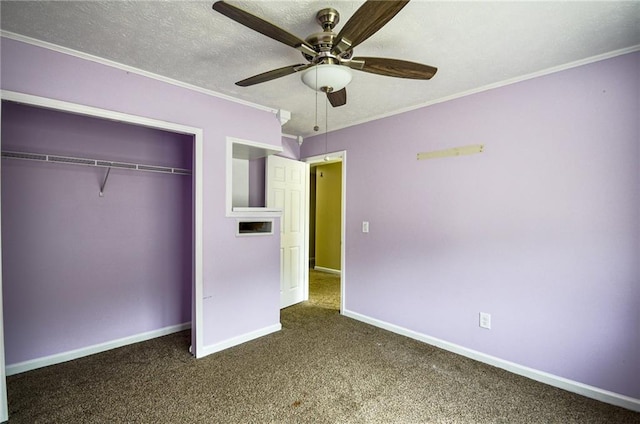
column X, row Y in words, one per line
column 316, row 127
column 326, row 128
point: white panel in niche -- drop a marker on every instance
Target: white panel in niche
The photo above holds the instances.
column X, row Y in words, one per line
column 240, row 191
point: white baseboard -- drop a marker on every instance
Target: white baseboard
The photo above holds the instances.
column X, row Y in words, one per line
column 541, row 376
column 58, row 358
column 327, row 270
column 243, row 338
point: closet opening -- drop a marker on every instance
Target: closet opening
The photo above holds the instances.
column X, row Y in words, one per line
column 100, row 244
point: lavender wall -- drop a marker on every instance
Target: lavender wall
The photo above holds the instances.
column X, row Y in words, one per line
column 290, row 148
column 541, row 230
column 257, row 182
column 237, row 300
column 79, row 269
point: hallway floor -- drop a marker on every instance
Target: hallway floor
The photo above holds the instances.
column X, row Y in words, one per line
column 324, row 289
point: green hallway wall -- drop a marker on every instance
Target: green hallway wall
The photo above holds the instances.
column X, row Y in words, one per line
column 328, row 215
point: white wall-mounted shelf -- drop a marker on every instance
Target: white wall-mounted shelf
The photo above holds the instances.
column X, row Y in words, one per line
column 249, row 210
column 241, row 212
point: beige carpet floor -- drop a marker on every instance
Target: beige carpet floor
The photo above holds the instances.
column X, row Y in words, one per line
column 321, row 368
column 324, row 290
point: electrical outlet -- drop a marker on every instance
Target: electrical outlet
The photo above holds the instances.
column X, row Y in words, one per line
column 485, row 320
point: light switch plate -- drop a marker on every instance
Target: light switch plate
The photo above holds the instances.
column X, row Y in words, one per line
column 365, row 226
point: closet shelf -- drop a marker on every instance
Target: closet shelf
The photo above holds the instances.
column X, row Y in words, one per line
column 93, row 162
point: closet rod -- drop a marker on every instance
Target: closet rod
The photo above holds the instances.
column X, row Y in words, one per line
column 93, row 162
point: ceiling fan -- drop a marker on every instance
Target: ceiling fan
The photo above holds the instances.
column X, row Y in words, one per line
column 330, row 55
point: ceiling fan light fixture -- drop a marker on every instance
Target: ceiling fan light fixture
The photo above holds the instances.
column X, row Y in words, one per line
column 327, row 75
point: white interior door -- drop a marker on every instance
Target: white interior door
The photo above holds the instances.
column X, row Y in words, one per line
column 287, row 189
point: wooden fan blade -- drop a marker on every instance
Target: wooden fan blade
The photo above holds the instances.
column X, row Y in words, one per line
column 263, row 27
column 271, row 75
column 365, row 22
column 396, row 68
column 338, row 98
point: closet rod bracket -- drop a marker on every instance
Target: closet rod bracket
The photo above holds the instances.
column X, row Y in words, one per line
column 104, row 183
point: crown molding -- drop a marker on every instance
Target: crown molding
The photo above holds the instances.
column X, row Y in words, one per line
column 541, row 73
column 107, row 62
column 130, row 69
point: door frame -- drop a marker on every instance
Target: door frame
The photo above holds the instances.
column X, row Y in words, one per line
column 337, row 156
column 198, row 192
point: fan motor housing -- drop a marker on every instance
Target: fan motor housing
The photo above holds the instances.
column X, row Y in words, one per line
column 323, row 42
column 328, row 18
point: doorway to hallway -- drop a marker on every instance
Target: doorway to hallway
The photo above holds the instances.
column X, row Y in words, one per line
column 324, row 289
column 327, row 183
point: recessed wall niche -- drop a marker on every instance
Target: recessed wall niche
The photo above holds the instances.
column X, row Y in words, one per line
column 246, row 160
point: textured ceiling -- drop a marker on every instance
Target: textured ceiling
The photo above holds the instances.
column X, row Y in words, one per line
column 473, row 45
